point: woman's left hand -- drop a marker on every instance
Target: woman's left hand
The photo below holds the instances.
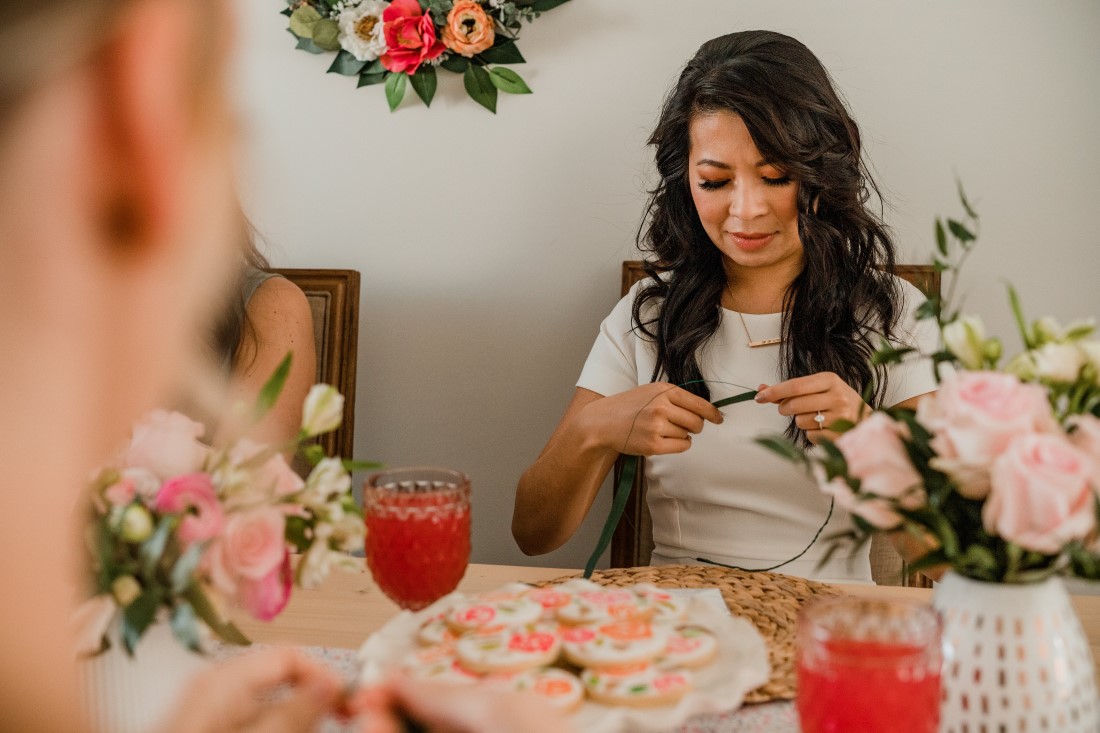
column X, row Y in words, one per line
column 805, row 398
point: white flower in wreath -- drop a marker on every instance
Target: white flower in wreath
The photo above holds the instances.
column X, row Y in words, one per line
column 361, row 30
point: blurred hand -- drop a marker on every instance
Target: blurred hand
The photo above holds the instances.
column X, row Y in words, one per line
column 653, row 419
column 804, row 397
column 232, row 697
column 443, row 708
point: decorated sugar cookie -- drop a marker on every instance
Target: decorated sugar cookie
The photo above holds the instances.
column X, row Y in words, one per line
column 551, row 599
column 494, row 611
column 509, row 650
column 667, row 608
column 437, row 663
column 604, row 604
column 614, row 644
column 647, row 687
column 690, row 646
column 556, row 686
column 435, row 631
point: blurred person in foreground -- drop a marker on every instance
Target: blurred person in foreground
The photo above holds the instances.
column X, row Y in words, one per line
column 117, row 230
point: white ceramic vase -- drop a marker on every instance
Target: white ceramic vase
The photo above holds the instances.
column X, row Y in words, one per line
column 1015, row 659
column 126, row 694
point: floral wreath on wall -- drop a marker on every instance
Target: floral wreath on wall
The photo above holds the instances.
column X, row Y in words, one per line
column 404, row 42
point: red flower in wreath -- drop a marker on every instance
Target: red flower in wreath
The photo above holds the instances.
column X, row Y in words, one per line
column 410, row 37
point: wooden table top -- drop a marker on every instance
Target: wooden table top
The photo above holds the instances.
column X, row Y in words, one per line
column 349, row 607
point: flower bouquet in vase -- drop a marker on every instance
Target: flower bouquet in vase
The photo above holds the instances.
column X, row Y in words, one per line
column 182, row 533
column 996, row 477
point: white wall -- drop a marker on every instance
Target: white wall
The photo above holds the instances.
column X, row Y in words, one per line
column 490, row 246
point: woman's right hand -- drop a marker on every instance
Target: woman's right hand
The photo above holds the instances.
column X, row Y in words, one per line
column 653, row 419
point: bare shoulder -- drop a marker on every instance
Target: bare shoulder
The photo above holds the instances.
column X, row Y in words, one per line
column 278, row 299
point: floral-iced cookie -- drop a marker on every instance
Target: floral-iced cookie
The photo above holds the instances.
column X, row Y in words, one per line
column 435, row 631
column 604, row 604
column 510, row 650
column 493, row 611
column 551, row 599
column 690, row 646
column 437, row 663
column 614, row 644
column 667, row 608
column 645, row 687
column 556, row 686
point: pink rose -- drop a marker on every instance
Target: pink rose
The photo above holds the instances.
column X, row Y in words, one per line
column 253, row 543
column 267, row 597
column 275, row 475
column 410, row 37
column 192, row 493
column 1040, row 497
column 879, row 513
column 166, row 443
column 1086, row 437
column 974, row 416
column 876, row 456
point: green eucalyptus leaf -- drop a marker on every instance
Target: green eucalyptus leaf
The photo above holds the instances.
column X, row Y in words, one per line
column 273, row 387
column 185, row 627
column 326, row 34
column 302, row 21
column 396, row 85
column 508, row 81
column 505, row 52
column 424, row 83
column 307, row 44
column 346, row 64
column 457, row 64
column 480, row 87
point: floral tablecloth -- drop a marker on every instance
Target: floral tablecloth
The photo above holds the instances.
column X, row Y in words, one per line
column 778, row 717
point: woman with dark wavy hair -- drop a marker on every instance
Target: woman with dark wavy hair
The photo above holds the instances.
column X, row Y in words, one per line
column 766, row 268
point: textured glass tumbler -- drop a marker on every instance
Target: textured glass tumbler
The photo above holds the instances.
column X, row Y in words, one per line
column 418, row 533
column 869, row 665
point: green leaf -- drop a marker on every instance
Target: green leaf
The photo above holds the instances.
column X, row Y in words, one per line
column 928, row 309
column 313, row 453
column 504, row 53
column 326, row 34
column 138, row 616
column 541, row 6
column 508, row 81
column 296, row 532
column 960, row 231
column 307, row 44
column 370, row 79
column 783, row 447
column 743, row 397
column 153, row 548
column 941, row 238
column 185, row 628
column 457, row 64
column 1018, row 315
column 205, row 610
column 622, row 493
column 966, row 204
column 273, row 387
column 184, row 570
column 424, row 83
column 287, row 12
column 302, row 21
column 480, row 87
column 350, row 465
column 396, row 84
column 346, row 64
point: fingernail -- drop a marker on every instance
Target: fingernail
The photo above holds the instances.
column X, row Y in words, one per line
column 760, row 397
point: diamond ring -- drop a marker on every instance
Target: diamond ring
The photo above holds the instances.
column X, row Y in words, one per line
column 819, row 419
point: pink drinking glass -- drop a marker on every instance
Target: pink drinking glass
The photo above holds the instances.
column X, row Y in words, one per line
column 418, row 532
column 869, row 665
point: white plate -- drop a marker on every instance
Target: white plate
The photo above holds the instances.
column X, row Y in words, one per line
column 742, row 665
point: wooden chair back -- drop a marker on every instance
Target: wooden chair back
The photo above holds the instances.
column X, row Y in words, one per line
column 333, row 297
column 632, row 543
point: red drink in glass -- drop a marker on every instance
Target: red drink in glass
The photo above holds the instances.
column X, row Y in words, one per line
column 418, row 533
column 866, row 666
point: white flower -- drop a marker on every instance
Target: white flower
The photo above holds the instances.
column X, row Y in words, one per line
column 323, row 410
column 1048, row 330
column 1022, row 367
column 1059, row 362
column 136, row 524
column 318, row 559
column 328, row 478
column 965, row 338
column 1091, row 351
column 361, row 30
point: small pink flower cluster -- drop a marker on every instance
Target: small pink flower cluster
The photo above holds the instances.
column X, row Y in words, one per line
column 998, row 441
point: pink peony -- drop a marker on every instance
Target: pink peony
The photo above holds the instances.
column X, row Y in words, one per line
column 410, row 37
column 193, row 493
column 267, row 597
column 167, row 444
column 974, row 416
column 253, row 543
column 876, row 456
column 1040, row 497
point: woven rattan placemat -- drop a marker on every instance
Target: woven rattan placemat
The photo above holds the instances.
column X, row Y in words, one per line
column 769, row 600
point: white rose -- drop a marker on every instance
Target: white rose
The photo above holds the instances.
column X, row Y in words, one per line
column 361, row 30
column 965, row 338
column 323, row 410
column 1059, row 362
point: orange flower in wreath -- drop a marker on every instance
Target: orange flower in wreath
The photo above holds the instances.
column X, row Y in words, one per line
column 469, row 31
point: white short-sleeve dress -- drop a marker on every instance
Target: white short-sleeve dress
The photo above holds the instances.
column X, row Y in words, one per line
column 727, row 499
